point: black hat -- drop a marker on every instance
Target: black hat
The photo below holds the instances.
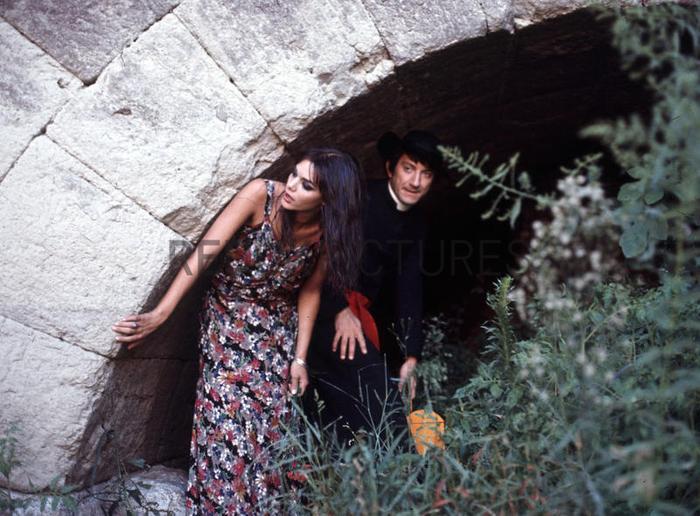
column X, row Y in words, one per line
column 419, row 145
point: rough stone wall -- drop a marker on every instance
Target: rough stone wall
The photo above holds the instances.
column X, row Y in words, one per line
column 125, row 127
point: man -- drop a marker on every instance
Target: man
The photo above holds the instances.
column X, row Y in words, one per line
column 354, row 331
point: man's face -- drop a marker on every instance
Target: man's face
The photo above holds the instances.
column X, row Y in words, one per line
column 410, row 179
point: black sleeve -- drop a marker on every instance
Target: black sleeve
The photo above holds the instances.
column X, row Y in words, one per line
column 332, row 302
column 410, row 299
column 373, row 269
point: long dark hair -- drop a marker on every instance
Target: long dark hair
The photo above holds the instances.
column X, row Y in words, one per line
column 340, row 181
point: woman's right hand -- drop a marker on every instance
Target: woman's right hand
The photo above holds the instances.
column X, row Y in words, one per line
column 298, row 379
column 133, row 329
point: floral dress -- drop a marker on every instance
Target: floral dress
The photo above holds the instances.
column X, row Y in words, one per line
column 248, row 328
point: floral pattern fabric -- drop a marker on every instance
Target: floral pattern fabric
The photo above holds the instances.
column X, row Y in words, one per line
column 248, row 327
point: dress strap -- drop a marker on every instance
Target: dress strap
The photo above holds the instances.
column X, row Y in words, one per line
column 270, row 187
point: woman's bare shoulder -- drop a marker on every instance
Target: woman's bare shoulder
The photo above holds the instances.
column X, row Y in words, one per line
column 254, row 191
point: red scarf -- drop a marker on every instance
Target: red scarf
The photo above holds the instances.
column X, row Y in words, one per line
column 359, row 305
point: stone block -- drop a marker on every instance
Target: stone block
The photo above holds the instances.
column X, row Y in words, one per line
column 84, row 36
column 165, row 125
column 77, row 254
column 499, row 15
column 413, row 28
column 34, row 87
column 165, row 492
column 293, row 60
column 48, row 389
column 527, row 12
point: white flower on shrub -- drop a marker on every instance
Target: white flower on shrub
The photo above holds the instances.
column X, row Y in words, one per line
column 569, row 254
column 588, row 370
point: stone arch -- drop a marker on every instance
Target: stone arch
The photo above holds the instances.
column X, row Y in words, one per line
column 126, row 135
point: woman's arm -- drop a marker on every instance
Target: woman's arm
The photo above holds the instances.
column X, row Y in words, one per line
column 239, row 210
column 242, row 208
column 307, row 306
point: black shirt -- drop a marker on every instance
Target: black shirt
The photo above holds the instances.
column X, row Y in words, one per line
column 390, row 276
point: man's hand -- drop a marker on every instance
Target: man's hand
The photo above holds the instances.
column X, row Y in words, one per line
column 406, row 375
column 348, row 333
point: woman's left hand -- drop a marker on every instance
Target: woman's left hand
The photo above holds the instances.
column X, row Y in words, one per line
column 298, row 379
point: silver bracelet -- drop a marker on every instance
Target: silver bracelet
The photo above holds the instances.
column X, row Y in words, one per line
column 299, row 361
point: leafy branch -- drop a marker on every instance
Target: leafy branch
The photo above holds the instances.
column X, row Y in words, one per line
column 502, row 182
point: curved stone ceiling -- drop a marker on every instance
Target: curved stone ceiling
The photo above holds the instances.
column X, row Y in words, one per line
column 126, row 126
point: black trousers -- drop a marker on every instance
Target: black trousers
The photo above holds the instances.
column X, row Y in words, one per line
column 350, row 395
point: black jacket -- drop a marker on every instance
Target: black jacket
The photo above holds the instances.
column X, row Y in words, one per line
column 391, row 270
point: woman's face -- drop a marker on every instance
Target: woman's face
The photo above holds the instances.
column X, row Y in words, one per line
column 301, row 192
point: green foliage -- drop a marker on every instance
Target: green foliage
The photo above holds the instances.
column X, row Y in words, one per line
column 501, row 185
column 601, row 412
column 432, row 369
column 574, row 251
column 661, row 47
column 8, row 462
column 501, row 334
column 605, row 399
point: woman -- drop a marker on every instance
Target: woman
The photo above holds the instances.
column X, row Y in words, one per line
column 280, row 241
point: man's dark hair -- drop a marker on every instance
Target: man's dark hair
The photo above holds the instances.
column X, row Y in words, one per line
column 419, row 145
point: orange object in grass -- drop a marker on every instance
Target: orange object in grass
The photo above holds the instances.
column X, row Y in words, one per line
column 427, row 428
